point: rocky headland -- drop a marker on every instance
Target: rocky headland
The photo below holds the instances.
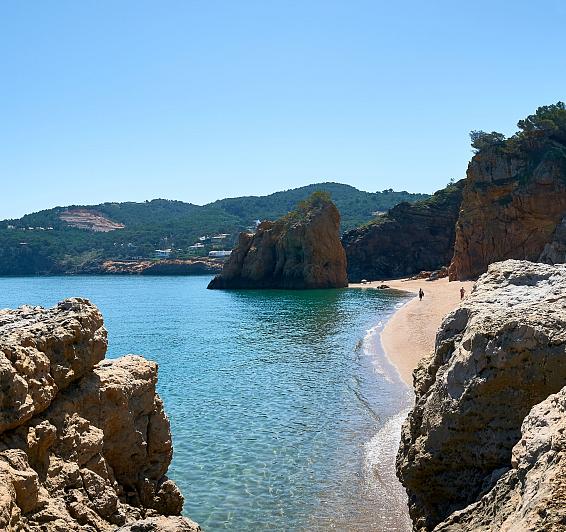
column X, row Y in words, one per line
column 484, row 446
column 408, row 239
column 514, row 197
column 301, row 250
column 84, row 442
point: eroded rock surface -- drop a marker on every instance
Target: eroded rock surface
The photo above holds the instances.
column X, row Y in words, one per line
column 300, row 250
column 532, row 494
column 502, row 352
column 84, row 442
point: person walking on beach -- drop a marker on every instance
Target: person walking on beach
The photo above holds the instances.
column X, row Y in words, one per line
column 462, row 293
column 421, row 294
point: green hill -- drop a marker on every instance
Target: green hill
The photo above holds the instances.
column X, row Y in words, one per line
column 44, row 242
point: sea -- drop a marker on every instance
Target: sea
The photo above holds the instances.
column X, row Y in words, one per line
column 284, row 411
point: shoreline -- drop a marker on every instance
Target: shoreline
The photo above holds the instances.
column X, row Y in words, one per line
column 409, row 334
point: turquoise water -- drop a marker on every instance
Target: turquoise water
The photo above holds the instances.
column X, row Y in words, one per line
column 284, row 413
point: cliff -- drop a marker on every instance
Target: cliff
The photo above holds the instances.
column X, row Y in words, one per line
column 300, row 250
column 410, row 238
column 84, row 442
column 464, row 459
column 515, row 195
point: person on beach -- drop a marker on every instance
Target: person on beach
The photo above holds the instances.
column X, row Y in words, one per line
column 462, row 293
column 421, row 294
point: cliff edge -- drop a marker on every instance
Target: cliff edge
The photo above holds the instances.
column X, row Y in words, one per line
column 468, row 457
column 300, row 250
column 84, row 442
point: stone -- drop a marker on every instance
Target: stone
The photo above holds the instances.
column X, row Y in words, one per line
column 301, row 250
column 496, row 356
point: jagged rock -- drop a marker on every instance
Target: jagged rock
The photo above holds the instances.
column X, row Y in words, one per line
column 532, row 494
column 408, row 239
column 300, row 250
column 496, row 356
column 511, row 207
column 85, row 443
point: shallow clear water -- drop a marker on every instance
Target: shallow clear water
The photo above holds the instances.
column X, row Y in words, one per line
column 285, row 415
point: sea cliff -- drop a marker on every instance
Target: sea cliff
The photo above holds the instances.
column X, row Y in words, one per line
column 301, row 250
column 84, row 442
column 476, row 452
column 406, row 240
column 514, row 198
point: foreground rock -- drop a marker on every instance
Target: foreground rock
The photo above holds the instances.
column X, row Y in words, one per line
column 502, row 352
column 300, row 250
column 410, row 238
column 84, row 442
column 532, row 494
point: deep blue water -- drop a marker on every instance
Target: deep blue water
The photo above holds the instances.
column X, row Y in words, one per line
column 283, row 410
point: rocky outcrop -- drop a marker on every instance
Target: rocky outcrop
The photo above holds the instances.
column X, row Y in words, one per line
column 514, row 197
column 201, row 266
column 84, row 442
column 410, row 238
column 499, row 354
column 300, row 250
column 532, row 494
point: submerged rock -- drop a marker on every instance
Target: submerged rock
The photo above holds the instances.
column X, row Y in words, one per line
column 300, row 250
column 499, row 354
column 84, row 442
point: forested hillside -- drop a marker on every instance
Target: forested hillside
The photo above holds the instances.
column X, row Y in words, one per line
column 48, row 242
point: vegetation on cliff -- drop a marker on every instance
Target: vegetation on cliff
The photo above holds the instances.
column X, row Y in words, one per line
column 44, row 243
column 300, row 250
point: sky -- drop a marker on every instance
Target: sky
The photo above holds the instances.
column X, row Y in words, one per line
column 197, row 100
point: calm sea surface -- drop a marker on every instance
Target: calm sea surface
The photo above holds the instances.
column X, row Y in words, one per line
column 285, row 415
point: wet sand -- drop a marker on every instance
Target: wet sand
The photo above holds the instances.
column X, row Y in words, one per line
column 409, row 335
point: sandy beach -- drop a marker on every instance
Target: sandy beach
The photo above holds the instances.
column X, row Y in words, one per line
column 409, row 334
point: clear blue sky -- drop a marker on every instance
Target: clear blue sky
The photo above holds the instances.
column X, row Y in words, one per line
column 196, row 100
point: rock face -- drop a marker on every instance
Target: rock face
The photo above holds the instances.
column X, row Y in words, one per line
column 300, row 250
column 514, row 197
column 410, row 238
column 532, row 494
column 498, row 355
column 84, row 442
